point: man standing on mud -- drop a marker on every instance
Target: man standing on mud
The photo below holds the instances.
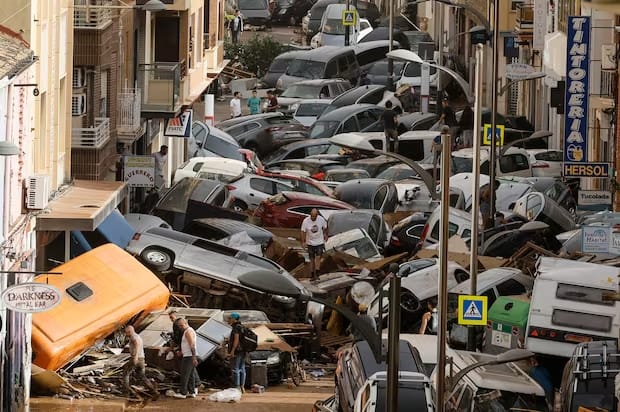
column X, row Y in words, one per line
column 136, row 362
column 314, row 236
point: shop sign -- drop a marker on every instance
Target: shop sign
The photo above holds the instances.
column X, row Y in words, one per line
column 31, row 297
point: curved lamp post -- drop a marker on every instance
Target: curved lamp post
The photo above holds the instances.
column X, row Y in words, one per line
column 481, row 18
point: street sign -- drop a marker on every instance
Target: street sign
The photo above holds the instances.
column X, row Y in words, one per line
column 139, row 170
column 472, row 310
column 519, row 71
column 586, row 169
column 593, row 197
column 349, row 17
column 499, row 132
column 179, row 126
column 31, row 297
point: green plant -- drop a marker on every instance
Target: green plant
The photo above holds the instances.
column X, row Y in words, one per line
column 255, row 54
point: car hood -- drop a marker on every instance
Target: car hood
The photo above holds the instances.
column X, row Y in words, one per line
column 288, row 100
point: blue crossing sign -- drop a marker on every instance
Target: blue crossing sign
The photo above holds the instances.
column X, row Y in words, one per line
column 472, row 310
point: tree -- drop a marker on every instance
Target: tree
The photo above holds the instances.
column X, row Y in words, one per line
column 256, row 54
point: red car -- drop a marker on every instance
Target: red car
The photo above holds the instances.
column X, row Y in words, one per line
column 305, row 184
column 289, row 209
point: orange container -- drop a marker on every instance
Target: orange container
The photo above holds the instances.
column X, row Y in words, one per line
column 115, row 288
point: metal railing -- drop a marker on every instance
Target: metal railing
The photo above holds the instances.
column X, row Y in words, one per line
column 160, row 85
column 95, row 18
column 92, row 137
column 609, row 83
column 129, row 108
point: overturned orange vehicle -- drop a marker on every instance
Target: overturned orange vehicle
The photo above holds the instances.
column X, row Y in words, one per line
column 101, row 291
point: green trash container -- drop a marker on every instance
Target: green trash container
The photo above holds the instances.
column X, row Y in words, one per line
column 506, row 324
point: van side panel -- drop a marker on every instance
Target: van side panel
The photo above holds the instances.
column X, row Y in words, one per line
column 121, row 289
column 546, row 336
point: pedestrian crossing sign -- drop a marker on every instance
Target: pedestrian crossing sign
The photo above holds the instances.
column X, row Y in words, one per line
column 349, row 17
column 472, row 310
column 499, row 133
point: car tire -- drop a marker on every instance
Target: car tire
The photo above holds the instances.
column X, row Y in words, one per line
column 156, row 259
column 409, row 302
column 239, row 206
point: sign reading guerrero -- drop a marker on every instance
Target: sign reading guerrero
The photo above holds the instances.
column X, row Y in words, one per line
column 577, row 81
column 31, row 297
column 140, row 171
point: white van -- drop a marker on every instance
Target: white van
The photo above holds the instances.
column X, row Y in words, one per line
column 415, row 144
column 567, row 306
column 514, row 162
column 332, row 31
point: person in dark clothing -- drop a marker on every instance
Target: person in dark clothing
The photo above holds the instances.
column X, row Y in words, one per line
column 543, row 377
column 467, row 127
column 236, row 352
column 236, row 27
column 428, row 326
column 448, row 118
column 364, row 80
column 390, row 127
column 363, row 316
column 272, row 101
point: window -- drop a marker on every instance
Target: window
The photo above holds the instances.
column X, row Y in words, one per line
column 377, row 144
column 281, row 187
column 373, row 98
column 343, row 66
column 379, row 199
column 415, row 231
column 349, row 125
column 513, row 162
column 580, row 320
column 263, row 185
column 365, row 119
column 236, row 131
column 197, row 167
column 315, row 150
column 452, row 230
column 199, row 134
column 331, row 70
column 222, row 148
column 582, row 294
column 510, row 288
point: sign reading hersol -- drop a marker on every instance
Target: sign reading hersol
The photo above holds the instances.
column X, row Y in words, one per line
column 586, row 169
column 31, row 297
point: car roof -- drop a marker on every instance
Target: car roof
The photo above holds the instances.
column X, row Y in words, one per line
column 407, row 361
column 325, row 102
column 318, row 82
column 578, row 273
column 369, row 45
column 219, row 133
column 351, row 96
column 341, row 113
column 487, row 280
column 305, row 143
column 310, row 198
column 308, row 161
column 345, row 170
column 230, row 225
column 293, row 54
column 374, row 160
column 369, row 183
column 323, row 53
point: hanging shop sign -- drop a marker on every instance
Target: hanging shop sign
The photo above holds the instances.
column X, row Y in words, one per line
column 31, row 297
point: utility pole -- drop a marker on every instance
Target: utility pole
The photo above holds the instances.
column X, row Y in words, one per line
column 390, row 80
column 347, row 29
column 494, row 91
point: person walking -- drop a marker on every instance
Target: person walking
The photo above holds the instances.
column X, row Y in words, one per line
column 390, row 124
column 314, row 236
column 272, row 101
column 254, row 103
column 236, row 352
column 236, row 27
column 177, row 337
column 364, row 317
column 466, row 124
column 136, row 363
column 235, row 105
column 448, row 118
column 189, row 361
column 161, row 158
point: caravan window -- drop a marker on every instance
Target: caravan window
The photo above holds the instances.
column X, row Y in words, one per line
column 579, row 320
column 582, row 294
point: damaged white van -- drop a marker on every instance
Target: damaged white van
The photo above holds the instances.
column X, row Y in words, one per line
column 567, row 306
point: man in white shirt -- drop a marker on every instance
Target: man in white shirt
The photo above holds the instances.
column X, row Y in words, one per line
column 235, row 105
column 188, row 362
column 136, row 362
column 236, row 27
column 314, row 236
column 161, row 158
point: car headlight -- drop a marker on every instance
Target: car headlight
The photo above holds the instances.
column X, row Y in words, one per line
column 279, row 84
column 273, row 359
column 294, row 107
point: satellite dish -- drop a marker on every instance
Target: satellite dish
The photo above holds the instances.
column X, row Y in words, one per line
column 362, row 292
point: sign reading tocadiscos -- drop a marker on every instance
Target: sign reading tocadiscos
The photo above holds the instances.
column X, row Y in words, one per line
column 594, row 197
column 31, row 297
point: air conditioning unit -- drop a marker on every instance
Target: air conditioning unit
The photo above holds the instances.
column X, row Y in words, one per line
column 79, row 77
column 78, row 104
column 37, row 191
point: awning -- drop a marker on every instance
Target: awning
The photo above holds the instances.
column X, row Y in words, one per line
column 83, row 206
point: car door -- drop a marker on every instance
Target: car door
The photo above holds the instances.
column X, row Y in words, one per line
column 260, row 189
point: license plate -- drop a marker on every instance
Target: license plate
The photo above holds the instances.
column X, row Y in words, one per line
column 502, row 339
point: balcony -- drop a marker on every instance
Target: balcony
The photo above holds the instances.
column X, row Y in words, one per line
column 525, row 20
column 128, row 125
column 95, row 18
column 161, row 86
column 91, row 137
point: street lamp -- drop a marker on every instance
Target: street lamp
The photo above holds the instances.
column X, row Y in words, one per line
column 531, row 76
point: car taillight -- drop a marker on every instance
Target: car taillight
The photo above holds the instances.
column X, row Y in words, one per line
column 395, row 241
column 231, row 187
column 273, row 129
column 540, row 165
column 136, row 236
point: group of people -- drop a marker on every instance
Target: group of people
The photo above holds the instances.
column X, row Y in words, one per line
column 253, row 104
column 183, row 347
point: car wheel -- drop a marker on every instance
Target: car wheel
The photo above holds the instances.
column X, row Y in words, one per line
column 240, row 206
column 156, row 259
column 408, row 301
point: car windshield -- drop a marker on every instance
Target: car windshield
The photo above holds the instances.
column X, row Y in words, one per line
column 381, row 68
column 411, row 394
column 279, row 65
column 414, row 70
column 217, row 143
column 362, row 248
column 252, row 4
column 310, row 109
column 397, row 173
column 302, row 91
column 462, row 164
column 308, row 69
column 323, row 129
column 278, row 154
column 333, row 26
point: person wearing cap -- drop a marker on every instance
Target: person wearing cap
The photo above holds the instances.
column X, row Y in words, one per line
column 363, row 316
column 235, row 351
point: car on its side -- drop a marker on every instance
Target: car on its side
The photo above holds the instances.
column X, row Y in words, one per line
column 315, row 168
column 406, row 234
column 209, row 141
column 289, row 209
column 369, row 94
column 308, row 110
column 301, row 150
column 296, row 93
column 216, row 229
column 356, row 118
column 368, row 219
column 265, row 133
column 377, row 194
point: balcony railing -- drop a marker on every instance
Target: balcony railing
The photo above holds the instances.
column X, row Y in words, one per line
column 525, row 18
column 95, row 18
column 208, row 40
column 161, row 85
column 129, row 108
column 92, row 137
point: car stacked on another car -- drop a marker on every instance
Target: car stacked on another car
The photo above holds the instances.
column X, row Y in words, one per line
column 295, row 94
